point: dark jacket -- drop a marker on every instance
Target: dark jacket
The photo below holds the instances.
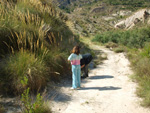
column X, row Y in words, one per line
column 86, row 59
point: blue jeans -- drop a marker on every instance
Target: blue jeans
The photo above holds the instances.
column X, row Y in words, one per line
column 76, row 76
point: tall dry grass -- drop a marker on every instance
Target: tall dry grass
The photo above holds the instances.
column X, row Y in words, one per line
column 141, row 65
column 20, row 65
column 34, row 42
column 35, row 19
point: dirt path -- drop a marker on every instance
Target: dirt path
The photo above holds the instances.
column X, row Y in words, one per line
column 108, row 89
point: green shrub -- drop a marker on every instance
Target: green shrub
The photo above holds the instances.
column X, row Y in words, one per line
column 38, row 68
column 118, row 50
column 146, row 51
column 111, row 45
column 142, row 67
column 34, row 19
column 20, row 65
column 33, row 106
column 135, row 38
column 57, row 65
column 141, row 63
column 137, row 42
column 131, row 3
column 33, row 40
column 144, row 90
column 132, row 55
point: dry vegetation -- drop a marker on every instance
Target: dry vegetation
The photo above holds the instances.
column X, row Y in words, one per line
column 136, row 43
column 34, row 46
column 33, row 37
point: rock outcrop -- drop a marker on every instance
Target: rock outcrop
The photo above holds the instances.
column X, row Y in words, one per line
column 139, row 16
column 98, row 9
column 64, row 3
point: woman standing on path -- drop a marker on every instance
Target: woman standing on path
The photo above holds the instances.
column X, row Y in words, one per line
column 76, row 68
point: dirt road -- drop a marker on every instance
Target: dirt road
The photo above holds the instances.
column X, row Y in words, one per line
column 108, row 89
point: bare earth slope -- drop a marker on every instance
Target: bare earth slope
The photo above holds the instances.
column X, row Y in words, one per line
column 108, row 89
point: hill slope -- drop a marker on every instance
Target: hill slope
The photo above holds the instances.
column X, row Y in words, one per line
column 34, row 44
column 96, row 16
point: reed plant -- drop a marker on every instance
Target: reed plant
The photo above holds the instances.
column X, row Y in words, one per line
column 30, row 105
column 33, row 42
column 36, row 19
column 20, row 65
column 140, row 63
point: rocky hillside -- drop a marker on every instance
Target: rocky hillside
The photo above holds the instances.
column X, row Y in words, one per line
column 140, row 17
column 34, row 34
column 65, row 3
column 89, row 17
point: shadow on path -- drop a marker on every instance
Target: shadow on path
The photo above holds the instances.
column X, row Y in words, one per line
column 101, row 77
column 101, row 88
column 58, row 96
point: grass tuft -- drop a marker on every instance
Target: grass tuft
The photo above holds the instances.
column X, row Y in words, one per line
column 118, row 50
column 33, row 41
column 24, row 64
column 111, row 45
column 141, row 65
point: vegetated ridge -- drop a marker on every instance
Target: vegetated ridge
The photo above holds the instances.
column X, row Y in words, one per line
column 97, row 16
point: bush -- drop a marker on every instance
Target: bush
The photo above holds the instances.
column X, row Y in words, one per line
column 57, row 65
column 138, row 43
column 118, row 50
column 144, row 90
column 146, row 51
column 141, row 63
column 111, row 45
column 36, row 106
column 131, row 3
column 32, row 45
column 38, row 21
column 20, row 65
column 142, row 67
column 135, row 38
column 37, row 68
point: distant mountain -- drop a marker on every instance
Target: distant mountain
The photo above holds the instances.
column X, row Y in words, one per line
column 134, row 3
column 139, row 17
column 67, row 3
column 89, row 17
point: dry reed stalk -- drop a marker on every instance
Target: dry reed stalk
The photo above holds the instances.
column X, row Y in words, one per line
column 54, row 38
column 50, row 38
column 61, row 38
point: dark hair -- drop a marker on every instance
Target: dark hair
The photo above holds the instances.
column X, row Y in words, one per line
column 76, row 50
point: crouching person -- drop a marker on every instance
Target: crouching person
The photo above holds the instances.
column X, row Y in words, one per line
column 86, row 59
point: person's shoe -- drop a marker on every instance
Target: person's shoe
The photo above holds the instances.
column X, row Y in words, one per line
column 73, row 88
column 83, row 76
column 79, row 87
column 87, row 76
